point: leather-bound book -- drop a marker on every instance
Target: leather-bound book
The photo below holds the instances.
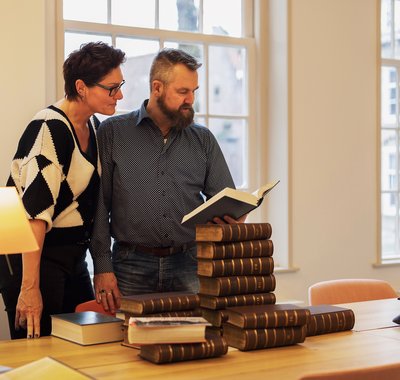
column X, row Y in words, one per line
column 233, row 232
column 215, row 317
column 236, row 267
column 265, row 316
column 241, row 249
column 254, row 339
column 326, row 319
column 215, row 303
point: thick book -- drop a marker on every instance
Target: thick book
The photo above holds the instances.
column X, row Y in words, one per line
column 87, row 327
column 254, row 339
column 265, row 316
column 228, row 201
column 45, row 368
column 151, row 303
column 160, row 330
column 167, row 353
column 216, row 303
column 235, row 267
column 241, row 249
column 232, row 285
column 326, row 319
column 233, row 232
column 179, row 313
column 215, row 317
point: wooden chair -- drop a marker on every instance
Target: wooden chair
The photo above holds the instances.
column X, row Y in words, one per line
column 380, row 372
column 92, row 306
column 349, row 290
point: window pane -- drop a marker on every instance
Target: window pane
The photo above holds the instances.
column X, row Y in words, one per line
column 179, row 15
column 139, row 55
column 73, row 41
column 227, row 95
column 136, row 13
column 389, row 160
column 386, row 29
column 222, row 17
column 389, row 95
column 232, row 138
column 397, row 29
column 85, row 10
column 196, row 51
column 389, row 205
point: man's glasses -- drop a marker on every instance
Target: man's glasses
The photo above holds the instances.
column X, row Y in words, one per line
column 113, row 90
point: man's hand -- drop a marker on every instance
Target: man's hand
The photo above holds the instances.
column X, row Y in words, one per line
column 107, row 292
column 29, row 311
column 229, row 220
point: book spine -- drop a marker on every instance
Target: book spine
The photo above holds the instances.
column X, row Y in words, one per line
column 158, row 305
column 282, row 318
column 224, row 286
column 236, row 267
column 330, row 322
column 233, row 232
column 168, row 353
column 251, row 248
column 215, row 303
column 253, row 339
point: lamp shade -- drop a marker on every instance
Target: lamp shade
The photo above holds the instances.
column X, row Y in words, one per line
column 16, row 234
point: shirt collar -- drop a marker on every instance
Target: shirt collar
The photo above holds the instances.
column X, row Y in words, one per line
column 143, row 114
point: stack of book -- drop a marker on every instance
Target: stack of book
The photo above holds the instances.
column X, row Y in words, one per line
column 235, row 267
column 166, row 327
column 265, row 326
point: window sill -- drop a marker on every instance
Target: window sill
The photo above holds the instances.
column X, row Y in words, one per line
column 286, row 270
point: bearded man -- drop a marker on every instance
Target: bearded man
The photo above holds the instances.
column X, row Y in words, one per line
column 157, row 165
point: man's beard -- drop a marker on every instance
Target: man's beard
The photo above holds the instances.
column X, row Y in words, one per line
column 178, row 119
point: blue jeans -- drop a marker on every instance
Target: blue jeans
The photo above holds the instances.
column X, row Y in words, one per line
column 139, row 272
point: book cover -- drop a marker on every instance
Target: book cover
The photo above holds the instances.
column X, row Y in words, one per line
column 215, row 303
column 265, row 316
column 46, row 368
column 166, row 330
column 241, row 249
column 233, row 232
column 326, row 319
column 235, row 267
column 233, row 285
column 167, row 353
column 228, row 201
column 253, row 339
column 151, row 303
column 87, row 327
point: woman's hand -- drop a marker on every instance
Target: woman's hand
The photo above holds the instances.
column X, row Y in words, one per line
column 29, row 311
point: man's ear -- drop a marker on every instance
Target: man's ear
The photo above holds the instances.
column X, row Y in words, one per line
column 157, row 87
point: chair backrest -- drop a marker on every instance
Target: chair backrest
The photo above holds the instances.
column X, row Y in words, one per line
column 380, row 372
column 349, row 290
column 92, row 306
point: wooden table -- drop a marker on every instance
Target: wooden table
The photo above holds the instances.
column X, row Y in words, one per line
column 349, row 349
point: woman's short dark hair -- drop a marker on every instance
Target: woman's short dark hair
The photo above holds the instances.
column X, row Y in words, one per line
column 166, row 59
column 90, row 63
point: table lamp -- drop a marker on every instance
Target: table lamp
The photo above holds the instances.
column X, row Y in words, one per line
column 16, row 235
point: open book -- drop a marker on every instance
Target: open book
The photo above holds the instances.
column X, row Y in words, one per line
column 228, row 201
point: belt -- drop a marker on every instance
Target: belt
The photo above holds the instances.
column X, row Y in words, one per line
column 164, row 251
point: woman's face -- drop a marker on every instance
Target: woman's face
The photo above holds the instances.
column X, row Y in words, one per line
column 98, row 96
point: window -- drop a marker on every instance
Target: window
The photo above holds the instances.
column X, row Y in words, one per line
column 390, row 130
column 205, row 29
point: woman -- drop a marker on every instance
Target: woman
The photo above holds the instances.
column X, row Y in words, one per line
column 56, row 171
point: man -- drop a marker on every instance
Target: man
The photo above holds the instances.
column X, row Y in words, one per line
column 156, row 164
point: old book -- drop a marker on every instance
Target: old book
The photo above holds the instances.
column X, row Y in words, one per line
column 87, row 327
column 167, row 353
column 228, row 201
column 253, row 339
column 241, row 249
column 150, row 303
column 45, row 368
column 146, row 330
column 214, row 302
column 235, row 267
column 265, row 316
column 233, row 232
column 326, row 319
column 215, row 317
column 179, row 313
column 232, row 285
